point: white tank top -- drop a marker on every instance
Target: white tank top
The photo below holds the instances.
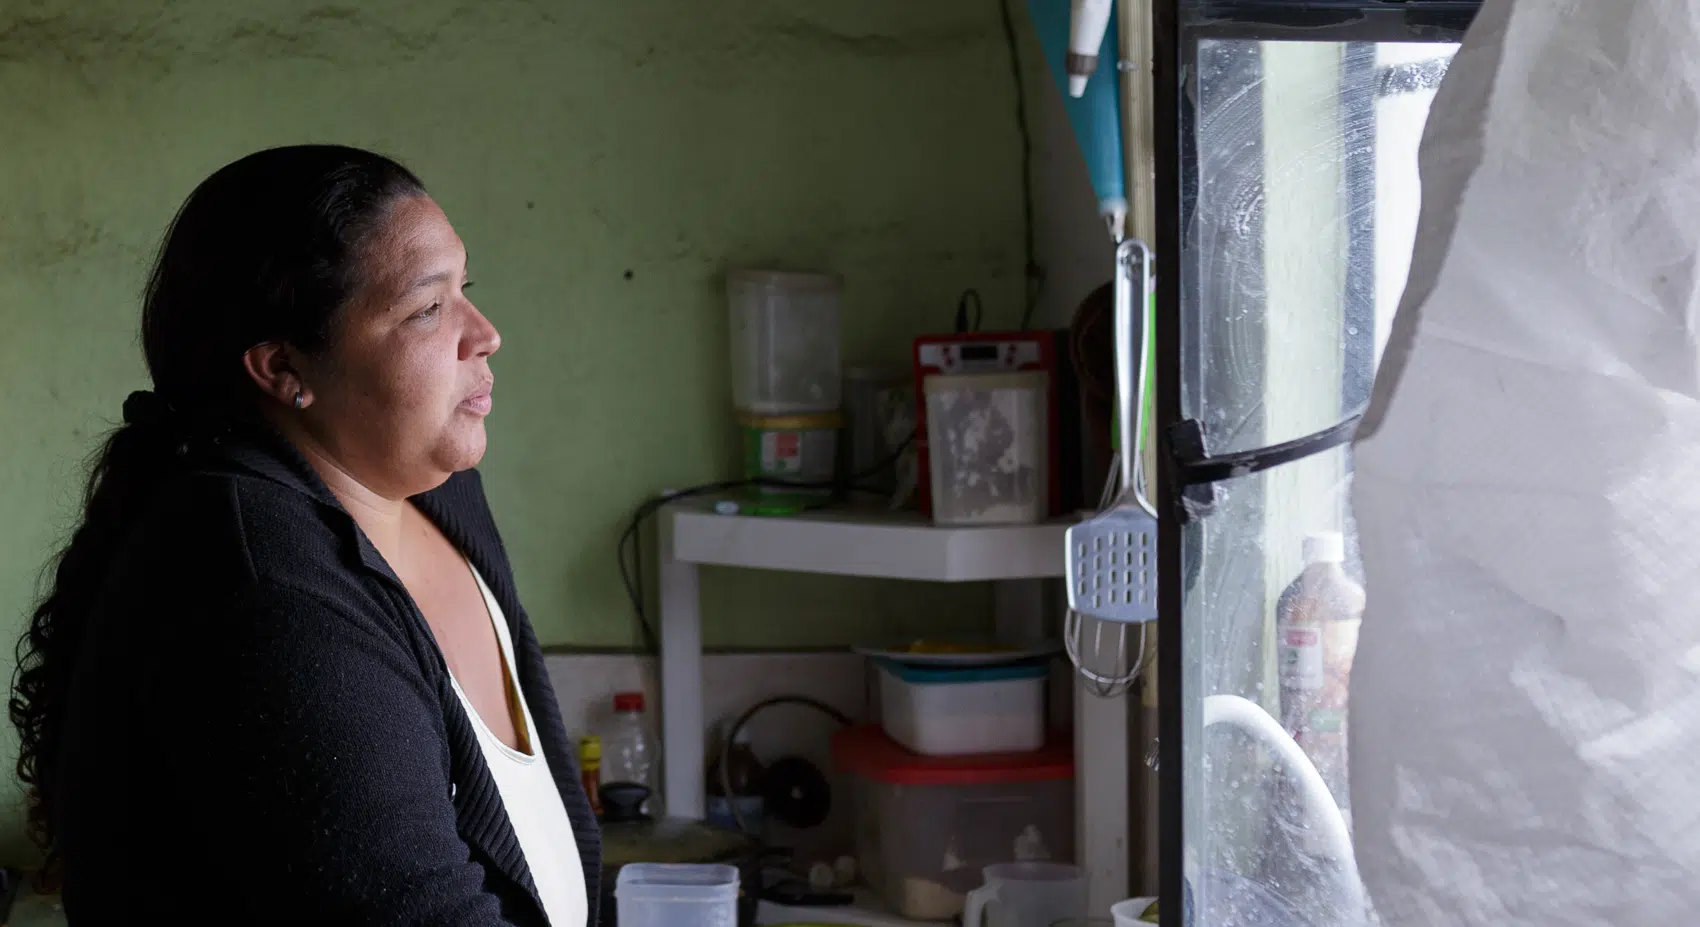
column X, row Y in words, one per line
column 529, row 794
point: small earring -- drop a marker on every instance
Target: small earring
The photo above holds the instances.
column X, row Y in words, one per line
column 300, row 399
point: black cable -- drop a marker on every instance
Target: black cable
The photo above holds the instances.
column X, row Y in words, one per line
column 631, row 573
column 970, row 312
column 1033, row 274
column 743, row 719
column 1197, row 468
column 632, row 576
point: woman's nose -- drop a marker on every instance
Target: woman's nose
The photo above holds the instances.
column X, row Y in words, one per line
column 481, row 338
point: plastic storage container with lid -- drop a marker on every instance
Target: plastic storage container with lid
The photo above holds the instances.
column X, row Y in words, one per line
column 785, row 342
column 677, row 895
column 926, row 826
column 953, row 711
column 986, row 438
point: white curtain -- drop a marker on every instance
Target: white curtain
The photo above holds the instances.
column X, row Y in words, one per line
column 1526, row 695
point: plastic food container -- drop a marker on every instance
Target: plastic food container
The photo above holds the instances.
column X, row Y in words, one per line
column 799, row 449
column 986, row 439
column 785, row 342
column 953, row 711
column 868, row 390
column 669, row 895
column 927, row 826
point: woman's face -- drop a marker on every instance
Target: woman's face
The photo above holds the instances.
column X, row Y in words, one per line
column 400, row 396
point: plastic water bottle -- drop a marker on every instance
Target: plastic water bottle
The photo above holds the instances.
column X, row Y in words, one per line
column 630, row 750
column 1317, row 622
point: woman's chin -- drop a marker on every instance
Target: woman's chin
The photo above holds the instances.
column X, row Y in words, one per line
column 464, row 448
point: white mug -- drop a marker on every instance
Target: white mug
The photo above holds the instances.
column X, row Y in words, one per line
column 1026, row 895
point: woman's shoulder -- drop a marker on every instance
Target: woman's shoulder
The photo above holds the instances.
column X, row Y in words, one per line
column 229, row 567
column 220, row 536
column 265, row 525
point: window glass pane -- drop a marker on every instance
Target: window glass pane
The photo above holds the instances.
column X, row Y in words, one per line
column 1260, row 848
column 1302, row 209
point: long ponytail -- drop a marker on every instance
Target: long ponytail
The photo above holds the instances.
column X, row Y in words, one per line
column 264, row 250
column 123, row 473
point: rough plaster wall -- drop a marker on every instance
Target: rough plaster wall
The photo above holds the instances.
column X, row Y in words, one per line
column 604, row 163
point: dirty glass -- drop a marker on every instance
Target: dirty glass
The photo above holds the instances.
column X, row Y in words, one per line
column 1302, row 202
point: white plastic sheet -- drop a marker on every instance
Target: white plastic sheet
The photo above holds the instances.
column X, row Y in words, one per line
column 1525, row 700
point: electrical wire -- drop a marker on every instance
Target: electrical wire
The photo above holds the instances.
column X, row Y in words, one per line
column 970, row 312
column 1033, row 275
column 631, row 573
column 628, row 551
column 743, row 719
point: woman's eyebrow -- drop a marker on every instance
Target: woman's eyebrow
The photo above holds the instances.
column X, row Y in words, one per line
column 430, row 280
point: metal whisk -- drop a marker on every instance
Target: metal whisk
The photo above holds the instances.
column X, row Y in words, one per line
column 1100, row 654
column 1112, row 557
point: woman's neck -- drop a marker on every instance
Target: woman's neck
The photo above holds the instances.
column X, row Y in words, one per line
column 380, row 517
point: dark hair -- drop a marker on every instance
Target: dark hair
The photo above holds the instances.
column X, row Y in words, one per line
column 264, row 250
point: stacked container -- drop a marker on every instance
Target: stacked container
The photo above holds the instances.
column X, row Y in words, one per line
column 958, row 775
column 926, row 825
column 786, row 374
column 961, row 711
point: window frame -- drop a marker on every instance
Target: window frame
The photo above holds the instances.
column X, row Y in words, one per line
column 1178, row 27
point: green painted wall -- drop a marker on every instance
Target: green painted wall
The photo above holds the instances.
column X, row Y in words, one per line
column 604, row 162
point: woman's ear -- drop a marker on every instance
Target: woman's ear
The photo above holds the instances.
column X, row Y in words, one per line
column 272, row 368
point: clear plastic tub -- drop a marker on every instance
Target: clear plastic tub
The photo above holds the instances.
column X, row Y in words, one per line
column 986, row 439
column 865, row 451
column 954, row 711
column 785, row 342
column 927, row 826
column 658, row 895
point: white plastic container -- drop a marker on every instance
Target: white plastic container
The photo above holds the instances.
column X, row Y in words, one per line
column 785, row 342
column 986, row 440
column 926, row 826
column 669, row 895
column 955, row 711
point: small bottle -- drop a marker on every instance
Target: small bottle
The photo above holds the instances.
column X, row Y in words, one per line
column 630, row 752
column 1317, row 622
column 590, row 770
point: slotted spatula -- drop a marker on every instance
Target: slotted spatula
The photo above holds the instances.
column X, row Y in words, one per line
column 1112, row 557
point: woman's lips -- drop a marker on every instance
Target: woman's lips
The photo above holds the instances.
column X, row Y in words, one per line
column 478, row 403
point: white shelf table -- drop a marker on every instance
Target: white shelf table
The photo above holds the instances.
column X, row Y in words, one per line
column 843, row 542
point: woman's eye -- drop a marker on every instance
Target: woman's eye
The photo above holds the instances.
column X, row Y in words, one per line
column 466, row 286
column 426, row 312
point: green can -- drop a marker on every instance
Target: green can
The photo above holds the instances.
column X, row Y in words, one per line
column 799, row 449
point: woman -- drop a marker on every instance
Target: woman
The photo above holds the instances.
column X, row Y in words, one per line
column 282, row 674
